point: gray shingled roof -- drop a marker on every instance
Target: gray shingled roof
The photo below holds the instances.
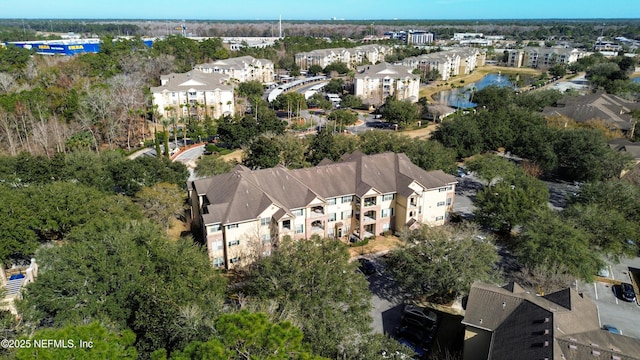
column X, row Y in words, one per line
column 527, row 326
column 384, row 69
column 243, row 194
column 194, row 79
column 610, row 108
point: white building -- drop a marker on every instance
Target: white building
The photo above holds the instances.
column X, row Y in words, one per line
column 194, row 94
column 374, row 83
column 241, row 69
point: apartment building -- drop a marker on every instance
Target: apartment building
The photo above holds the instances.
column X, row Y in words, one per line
column 193, row 94
column 366, row 53
column 448, row 63
column 243, row 213
column 509, row 322
column 241, row 69
column 535, row 57
column 374, row 83
column 322, row 57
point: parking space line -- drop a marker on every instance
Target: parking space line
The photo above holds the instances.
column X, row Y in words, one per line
column 598, row 311
column 613, row 276
column 595, row 288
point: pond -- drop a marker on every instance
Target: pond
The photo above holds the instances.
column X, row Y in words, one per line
column 636, row 80
column 461, row 97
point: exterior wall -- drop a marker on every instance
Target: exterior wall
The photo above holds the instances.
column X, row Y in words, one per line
column 376, row 89
column 477, row 343
column 214, row 103
column 259, row 70
column 435, row 205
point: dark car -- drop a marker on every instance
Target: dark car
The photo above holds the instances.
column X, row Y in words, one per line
column 367, row 267
column 418, row 316
column 626, row 292
column 416, row 335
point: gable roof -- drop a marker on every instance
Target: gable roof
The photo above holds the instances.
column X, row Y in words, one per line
column 195, row 80
column 563, row 324
column 243, row 194
column 607, row 107
column 384, row 69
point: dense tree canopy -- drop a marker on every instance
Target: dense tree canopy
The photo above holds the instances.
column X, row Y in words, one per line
column 100, row 343
column 440, row 264
column 314, row 281
column 509, row 196
column 128, row 274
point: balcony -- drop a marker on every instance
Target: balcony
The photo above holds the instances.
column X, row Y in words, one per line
column 317, row 211
column 317, row 227
column 369, row 217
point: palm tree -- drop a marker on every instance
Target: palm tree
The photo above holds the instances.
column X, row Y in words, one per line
column 174, row 123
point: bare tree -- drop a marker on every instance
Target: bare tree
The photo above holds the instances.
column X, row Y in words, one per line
column 129, row 99
column 7, row 132
column 6, row 82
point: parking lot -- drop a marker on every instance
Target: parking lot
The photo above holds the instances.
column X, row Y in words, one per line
column 612, row 309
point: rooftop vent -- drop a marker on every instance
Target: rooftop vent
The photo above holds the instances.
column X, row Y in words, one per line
column 573, row 347
column 595, row 352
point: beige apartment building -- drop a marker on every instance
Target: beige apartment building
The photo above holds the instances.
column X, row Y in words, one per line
column 374, row 83
column 193, row 94
column 352, row 57
column 244, row 212
column 448, row 63
column 534, row 57
column 241, row 69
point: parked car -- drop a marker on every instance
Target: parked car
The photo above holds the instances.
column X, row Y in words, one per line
column 366, row 266
column 604, row 272
column 418, row 316
column 611, row 329
column 626, row 292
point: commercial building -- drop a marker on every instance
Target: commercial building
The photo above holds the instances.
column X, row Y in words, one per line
column 241, row 69
column 194, row 94
column 66, row 47
column 243, row 213
column 374, row 83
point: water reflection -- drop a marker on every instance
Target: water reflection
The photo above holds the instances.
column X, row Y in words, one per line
column 463, row 97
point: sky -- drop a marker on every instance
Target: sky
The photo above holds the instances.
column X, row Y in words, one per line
column 318, row 9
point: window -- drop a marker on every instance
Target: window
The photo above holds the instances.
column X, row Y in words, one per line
column 332, row 217
column 265, row 221
column 232, row 226
column 213, row 228
column 234, row 260
column 441, row 203
column 449, row 188
column 265, row 238
column 330, row 232
column 286, row 224
column 387, row 212
column 266, row 253
column 448, row 201
column 299, row 229
column 442, row 189
column 388, row 197
column 298, row 212
column 439, row 218
column 346, row 214
column 332, row 201
column 370, row 201
column 217, row 245
column 234, row 242
column 192, row 93
column 218, row 262
column 386, row 226
column 347, row 199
